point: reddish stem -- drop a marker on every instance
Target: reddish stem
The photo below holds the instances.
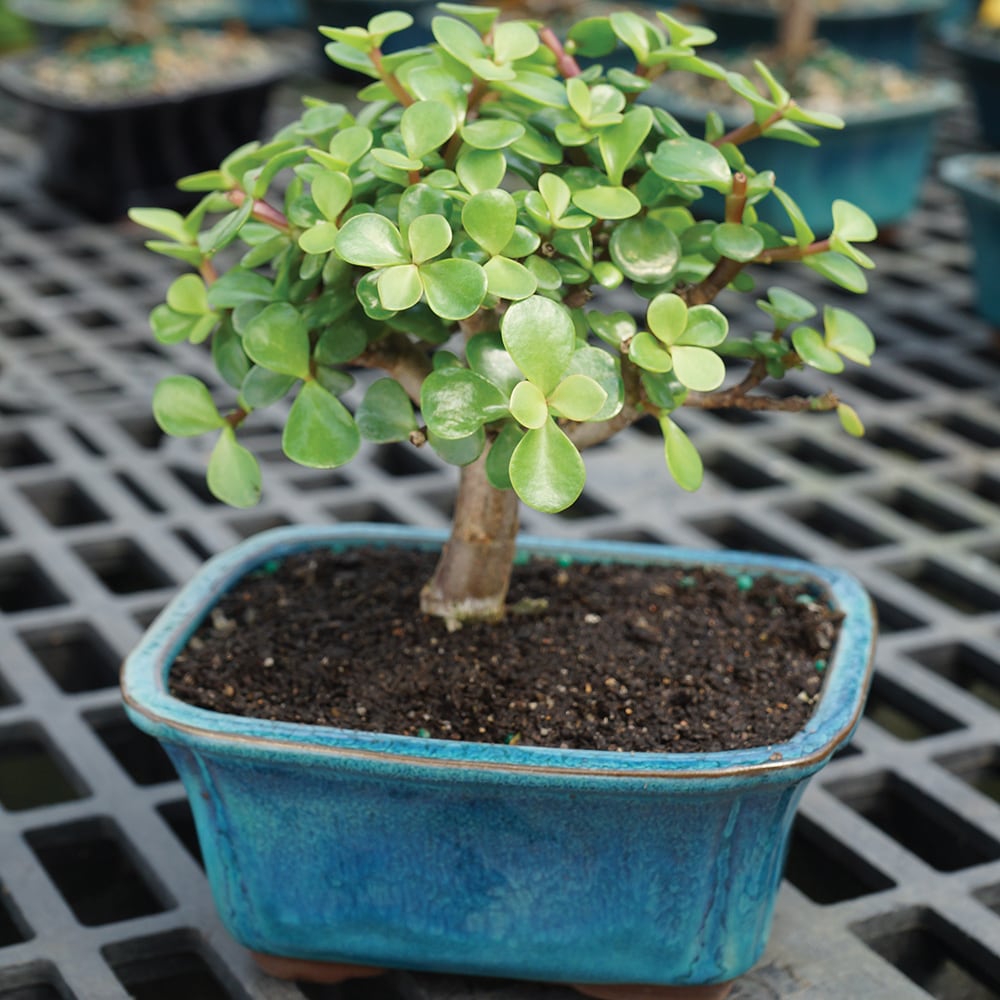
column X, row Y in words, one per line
column 565, row 63
column 262, row 211
column 389, row 79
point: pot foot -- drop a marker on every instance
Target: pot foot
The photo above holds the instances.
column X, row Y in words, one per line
column 311, row 971
column 636, row 991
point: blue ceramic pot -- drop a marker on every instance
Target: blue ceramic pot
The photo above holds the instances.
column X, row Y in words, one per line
column 978, row 58
column 544, row 864
column 892, row 33
column 981, row 197
column 878, row 161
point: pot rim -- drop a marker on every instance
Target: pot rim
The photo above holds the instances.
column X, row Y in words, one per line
column 905, row 8
column 959, row 172
column 154, row 709
column 285, row 57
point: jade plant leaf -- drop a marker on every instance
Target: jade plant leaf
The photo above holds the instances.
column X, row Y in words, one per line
column 386, row 413
column 698, row 368
column 371, row 240
column 233, row 474
column 546, row 470
column 399, row 287
column 683, row 460
column 277, row 339
column 691, row 161
column 508, row 279
column 850, row 420
column 183, row 407
column 455, row 288
column 848, row 335
column 539, row 335
column 456, row 402
column 645, row 249
column 429, row 236
column 578, row 397
column 425, row 126
column 528, row 405
column 320, row 432
column 489, row 217
column 812, row 349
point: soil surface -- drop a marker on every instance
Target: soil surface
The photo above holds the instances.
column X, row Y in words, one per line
column 615, row 658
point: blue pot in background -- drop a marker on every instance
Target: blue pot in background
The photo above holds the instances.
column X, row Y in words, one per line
column 878, row 161
column 968, row 174
column 588, row 867
column 890, row 33
column 978, row 59
column 262, row 15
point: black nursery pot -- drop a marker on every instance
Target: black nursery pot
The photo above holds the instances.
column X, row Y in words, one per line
column 106, row 158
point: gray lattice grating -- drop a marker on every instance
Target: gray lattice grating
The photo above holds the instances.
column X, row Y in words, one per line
column 893, row 886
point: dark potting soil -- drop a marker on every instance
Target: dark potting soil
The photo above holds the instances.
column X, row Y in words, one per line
column 620, row 658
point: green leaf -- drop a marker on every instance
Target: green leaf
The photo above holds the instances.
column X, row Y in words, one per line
column 683, row 460
column 707, row 326
column 698, row 368
column 513, row 40
column 667, row 316
column 536, row 88
column 188, row 295
column 400, row 287
column 233, row 473
column 540, row 336
column 458, row 451
column 425, row 126
column 371, row 240
column 853, row 224
column 428, row 236
column 237, row 286
column 386, row 413
column 498, row 457
column 850, row 420
column 634, row 31
column 614, row 328
column 607, row 202
column 481, row 169
column 170, row 327
column 787, row 307
column 737, row 241
column 649, row 354
column 556, row 194
column 578, row 397
column 332, row 191
column 319, row 432
column 546, row 470
column 229, row 357
column 507, row 279
column 645, row 249
column 813, row 351
column 803, row 233
column 619, row 144
column 277, row 338
column 492, row 133
column 262, row 387
column 488, row 358
column 349, row 144
column 489, row 217
column 455, row 288
column 528, row 406
column 458, row 39
column 183, row 407
column 838, row 269
column 605, row 370
column 481, row 18
column 848, row 335
column 162, row 220
column 688, row 160
column 388, row 23
column 319, row 239
column 456, row 402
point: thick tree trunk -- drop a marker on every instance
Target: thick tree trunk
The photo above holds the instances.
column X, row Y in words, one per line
column 472, row 576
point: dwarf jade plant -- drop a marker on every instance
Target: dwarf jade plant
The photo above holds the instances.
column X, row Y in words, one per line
column 461, row 234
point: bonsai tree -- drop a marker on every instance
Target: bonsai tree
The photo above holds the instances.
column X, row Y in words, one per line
column 459, row 237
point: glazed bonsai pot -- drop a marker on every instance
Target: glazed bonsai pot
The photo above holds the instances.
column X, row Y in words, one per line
column 978, row 58
column 362, row 851
column 976, row 176
column 890, row 32
column 103, row 158
column 878, row 161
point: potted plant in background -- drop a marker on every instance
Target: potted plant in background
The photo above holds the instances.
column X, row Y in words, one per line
column 878, row 161
column 130, row 105
column 975, row 46
column 473, row 234
column 889, row 32
column 976, row 177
